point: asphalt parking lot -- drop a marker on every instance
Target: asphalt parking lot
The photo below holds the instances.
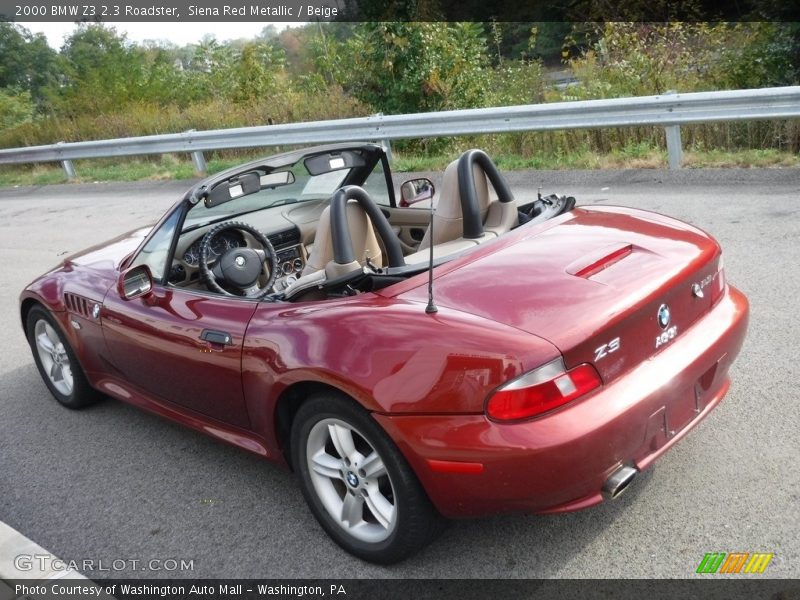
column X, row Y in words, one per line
column 114, row 483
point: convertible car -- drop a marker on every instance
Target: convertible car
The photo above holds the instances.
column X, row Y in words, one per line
column 448, row 353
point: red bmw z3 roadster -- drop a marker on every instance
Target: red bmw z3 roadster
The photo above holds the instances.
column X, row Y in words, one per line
column 409, row 364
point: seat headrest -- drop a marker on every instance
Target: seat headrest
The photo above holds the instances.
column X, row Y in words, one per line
column 449, row 206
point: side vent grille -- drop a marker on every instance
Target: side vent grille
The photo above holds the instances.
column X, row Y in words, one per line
column 79, row 305
column 285, row 238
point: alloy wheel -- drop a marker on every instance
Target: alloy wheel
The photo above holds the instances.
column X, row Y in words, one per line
column 351, row 480
column 53, row 356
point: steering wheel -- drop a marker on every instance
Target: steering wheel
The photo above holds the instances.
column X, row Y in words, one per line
column 239, row 268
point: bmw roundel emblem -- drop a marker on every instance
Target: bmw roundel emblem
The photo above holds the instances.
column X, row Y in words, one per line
column 663, row 316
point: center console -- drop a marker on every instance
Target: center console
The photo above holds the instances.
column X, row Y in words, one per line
column 291, row 262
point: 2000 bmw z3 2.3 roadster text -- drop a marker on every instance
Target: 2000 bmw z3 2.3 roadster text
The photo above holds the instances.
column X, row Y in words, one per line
column 285, row 307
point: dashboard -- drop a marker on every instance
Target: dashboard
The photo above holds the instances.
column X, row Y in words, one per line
column 290, row 229
column 185, row 270
column 219, row 245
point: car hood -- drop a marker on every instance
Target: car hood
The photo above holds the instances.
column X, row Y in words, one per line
column 543, row 279
column 108, row 256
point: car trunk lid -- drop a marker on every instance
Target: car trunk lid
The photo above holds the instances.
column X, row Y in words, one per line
column 592, row 284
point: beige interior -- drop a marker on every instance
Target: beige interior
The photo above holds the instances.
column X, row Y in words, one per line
column 321, row 264
column 448, row 219
column 365, row 243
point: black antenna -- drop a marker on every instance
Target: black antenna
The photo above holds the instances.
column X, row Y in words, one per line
column 431, row 308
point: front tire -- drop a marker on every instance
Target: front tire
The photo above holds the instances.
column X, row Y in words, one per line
column 357, row 484
column 56, row 361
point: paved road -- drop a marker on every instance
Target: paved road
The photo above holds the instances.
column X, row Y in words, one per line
column 112, row 482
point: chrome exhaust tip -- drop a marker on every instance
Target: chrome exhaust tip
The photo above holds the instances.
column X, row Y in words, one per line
column 618, row 482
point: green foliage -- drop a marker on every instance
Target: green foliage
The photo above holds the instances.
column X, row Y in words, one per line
column 639, row 59
column 100, row 85
column 636, row 59
column 144, row 118
column 16, row 108
column 102, row 72
column 258, row 72
column 410, row 67
column 760, row 55
column 26, row 61
column 514, row 40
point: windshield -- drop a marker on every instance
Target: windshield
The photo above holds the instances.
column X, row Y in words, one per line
column 305, row 187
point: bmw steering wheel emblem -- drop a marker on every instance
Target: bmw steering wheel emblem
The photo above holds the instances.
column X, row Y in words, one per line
column 239, row 261
column 663, row 316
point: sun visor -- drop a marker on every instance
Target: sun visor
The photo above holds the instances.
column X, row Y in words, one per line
column 249, row 183
column 333, row 161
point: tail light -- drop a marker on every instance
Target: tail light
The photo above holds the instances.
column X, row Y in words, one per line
column 541, row 390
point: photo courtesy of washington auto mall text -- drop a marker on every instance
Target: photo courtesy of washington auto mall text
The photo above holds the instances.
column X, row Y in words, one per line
column 199, row 590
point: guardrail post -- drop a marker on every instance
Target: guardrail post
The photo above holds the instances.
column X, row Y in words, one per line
column 69, row 169
column 386, row 144
column 674, row 146
column 199, row 160
column 66, row 164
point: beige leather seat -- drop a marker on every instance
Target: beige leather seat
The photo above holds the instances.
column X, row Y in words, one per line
column 321, row 264
column 448, row 219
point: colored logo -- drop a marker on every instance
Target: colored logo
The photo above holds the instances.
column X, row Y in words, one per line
column 734, row 562
column 663, row 316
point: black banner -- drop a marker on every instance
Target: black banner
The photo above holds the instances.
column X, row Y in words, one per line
column 397, row 10
column 752, row 588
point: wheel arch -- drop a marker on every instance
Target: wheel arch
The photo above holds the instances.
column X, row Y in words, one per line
column 289, row 402
column 24, row 310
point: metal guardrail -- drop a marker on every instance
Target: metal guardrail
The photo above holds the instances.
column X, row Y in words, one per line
column 670, row 110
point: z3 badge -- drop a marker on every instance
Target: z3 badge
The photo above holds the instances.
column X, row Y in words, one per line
column 606, row 349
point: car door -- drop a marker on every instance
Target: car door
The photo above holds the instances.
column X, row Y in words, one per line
column 409, row 224
column 182, row 346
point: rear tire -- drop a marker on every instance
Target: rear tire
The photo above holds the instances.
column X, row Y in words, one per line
column 56, row 361
column 357, row 484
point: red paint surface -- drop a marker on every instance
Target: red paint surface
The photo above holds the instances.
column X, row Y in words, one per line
column 504, row 309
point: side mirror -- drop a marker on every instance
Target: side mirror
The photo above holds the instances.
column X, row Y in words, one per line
column 136, row 282
column 416, row 190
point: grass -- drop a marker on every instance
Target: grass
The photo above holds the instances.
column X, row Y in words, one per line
column 121, row 169
column 633, row 156
column 763, row 158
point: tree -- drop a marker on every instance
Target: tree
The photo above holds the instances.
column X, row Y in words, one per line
column 26, row 62
column 102, row 71
column 411, row 67
column 257, row 70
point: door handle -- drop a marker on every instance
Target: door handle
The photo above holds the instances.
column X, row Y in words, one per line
column 217, row 337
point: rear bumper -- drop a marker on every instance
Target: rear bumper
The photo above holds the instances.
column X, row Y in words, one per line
column 559, row 462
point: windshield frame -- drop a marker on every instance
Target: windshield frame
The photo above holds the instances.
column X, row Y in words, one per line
column 372, row 153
